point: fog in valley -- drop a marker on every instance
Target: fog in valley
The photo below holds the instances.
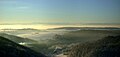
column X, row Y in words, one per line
column 49, row 41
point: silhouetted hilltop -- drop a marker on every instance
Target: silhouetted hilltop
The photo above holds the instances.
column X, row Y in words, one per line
column 11, row 49
column 17, row 39
column 106, row 47
column 88, row 28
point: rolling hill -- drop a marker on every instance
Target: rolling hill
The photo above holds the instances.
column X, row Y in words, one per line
column 17, row 39
column 9, row 48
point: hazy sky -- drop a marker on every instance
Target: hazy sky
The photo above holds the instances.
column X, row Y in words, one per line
column 60, row 11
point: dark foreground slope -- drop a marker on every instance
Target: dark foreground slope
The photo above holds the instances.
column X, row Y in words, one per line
column 11, row 49
column 106, row 47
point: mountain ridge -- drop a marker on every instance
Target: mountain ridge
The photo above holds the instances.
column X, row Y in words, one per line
column 9, row 48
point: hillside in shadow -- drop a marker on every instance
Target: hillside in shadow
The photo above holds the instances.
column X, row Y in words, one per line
column 17, row 39
column 12, row 49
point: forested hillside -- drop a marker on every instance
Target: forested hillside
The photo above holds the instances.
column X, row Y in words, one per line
column 106, row 47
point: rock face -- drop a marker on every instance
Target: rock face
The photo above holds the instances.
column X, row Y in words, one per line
column 11, row 49
column 106, row 47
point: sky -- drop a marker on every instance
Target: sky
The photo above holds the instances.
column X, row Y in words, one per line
column 60, row 11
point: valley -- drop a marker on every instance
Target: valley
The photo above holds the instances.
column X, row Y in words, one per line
column 56, row 42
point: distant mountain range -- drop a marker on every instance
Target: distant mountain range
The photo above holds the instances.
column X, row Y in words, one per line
column 20, row 29
column 87, row 28
column 9, row 48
